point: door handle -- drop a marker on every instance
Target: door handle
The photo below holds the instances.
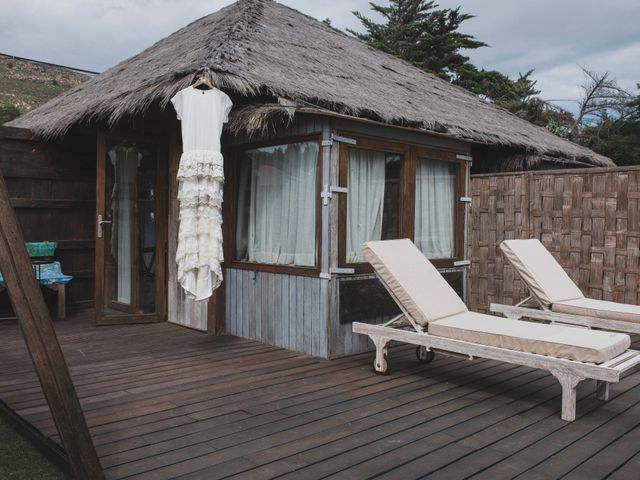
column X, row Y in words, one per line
column 102, row 222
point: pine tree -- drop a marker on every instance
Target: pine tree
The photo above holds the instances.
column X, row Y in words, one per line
column 514, row 95
column 422, row 34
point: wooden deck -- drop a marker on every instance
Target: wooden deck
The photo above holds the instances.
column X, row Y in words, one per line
column 167, row 402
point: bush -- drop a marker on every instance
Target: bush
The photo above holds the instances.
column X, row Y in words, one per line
column 8, row 113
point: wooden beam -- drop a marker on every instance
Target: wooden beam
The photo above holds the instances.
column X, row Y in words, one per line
column 42, row 343
column 14, row 133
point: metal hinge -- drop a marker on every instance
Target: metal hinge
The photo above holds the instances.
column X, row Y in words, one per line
column 329, row 190
column 465, row 199
column 462, row 263
column 466, row 158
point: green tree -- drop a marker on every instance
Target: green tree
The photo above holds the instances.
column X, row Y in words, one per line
column 617, row 137
column 421, row 33
column 514, row 95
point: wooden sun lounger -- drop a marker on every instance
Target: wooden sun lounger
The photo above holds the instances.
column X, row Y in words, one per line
column 407, row 328
column 551, row 289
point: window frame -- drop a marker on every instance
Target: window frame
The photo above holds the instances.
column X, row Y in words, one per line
column 410, row 153
column 230, row 208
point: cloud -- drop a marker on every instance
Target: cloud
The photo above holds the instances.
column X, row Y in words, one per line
column 552, row 36
column 555, row 38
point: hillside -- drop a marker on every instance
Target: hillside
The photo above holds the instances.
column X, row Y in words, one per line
column 25, row 85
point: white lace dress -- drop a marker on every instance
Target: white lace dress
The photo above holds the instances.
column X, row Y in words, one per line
column 200, row 187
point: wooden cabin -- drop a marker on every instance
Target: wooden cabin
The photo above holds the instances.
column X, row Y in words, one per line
column 330, row 143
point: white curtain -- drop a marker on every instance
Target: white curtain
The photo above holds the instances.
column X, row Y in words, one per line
column 366, row 181
column 277, row 205
column 125, row 162
column 435, row 208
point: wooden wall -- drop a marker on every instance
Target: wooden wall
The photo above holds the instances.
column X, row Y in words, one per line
column 288, row 311
column 588, row 218
column 52, row 188
column 284, row 310
column 183, row 311
column 296, row 312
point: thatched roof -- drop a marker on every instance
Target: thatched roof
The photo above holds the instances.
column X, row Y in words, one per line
column 260, row 48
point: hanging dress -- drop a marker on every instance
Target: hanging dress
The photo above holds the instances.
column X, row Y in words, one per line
column 200, row 186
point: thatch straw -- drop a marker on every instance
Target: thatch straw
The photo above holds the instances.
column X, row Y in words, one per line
column 261, row 48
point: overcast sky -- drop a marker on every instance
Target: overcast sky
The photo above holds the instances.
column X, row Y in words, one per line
column 553, row 36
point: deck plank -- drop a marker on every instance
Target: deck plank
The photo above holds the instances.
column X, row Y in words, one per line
column 167, row 402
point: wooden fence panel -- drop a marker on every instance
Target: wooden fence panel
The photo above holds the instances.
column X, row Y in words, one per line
column 587, row 218
column 499, row 210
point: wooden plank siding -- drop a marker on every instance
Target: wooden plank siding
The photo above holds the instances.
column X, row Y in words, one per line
column 287, row 311
column 588, row 218
column 52, row 188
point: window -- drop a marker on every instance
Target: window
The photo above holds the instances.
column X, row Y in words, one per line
column 276, row 210
column 400, row 191
column 435, row 211
column 373, row 202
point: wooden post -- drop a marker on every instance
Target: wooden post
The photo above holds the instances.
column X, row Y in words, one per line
column 42, row 342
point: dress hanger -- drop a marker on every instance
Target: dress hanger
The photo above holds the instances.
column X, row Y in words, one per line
column 203, row 83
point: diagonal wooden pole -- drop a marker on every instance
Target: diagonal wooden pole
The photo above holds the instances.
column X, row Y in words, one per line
column 44, row 348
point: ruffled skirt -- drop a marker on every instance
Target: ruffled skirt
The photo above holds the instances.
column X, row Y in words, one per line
column 199, row 254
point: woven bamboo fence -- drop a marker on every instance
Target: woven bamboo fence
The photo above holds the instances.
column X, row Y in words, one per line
column 589, row 219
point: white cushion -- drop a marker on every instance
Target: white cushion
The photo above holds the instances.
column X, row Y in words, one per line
column 544, row 276
column 415, row 282
column 572, row 343
column 590, row 307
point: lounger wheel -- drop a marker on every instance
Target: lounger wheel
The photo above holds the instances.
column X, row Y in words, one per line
column 381, row 368
column 424, row 355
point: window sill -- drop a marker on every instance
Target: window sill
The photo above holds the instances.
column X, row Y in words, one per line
column 360, row 268
column 269, row 268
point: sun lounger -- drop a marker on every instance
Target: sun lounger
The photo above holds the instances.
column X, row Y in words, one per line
column 555, row 297
column 435, row 318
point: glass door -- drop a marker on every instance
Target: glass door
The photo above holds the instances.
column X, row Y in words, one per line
column 130, row 231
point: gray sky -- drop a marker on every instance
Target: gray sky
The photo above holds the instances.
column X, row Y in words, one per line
column 553, row 36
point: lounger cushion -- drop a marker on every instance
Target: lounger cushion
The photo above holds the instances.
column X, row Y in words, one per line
column 572, row 343
column 544, row 276
column 599, row 309
column 415, row 282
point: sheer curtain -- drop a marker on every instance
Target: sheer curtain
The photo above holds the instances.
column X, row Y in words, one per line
column 277, row 205
column 435, row 208
column 365, row 200
column 124, row 161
